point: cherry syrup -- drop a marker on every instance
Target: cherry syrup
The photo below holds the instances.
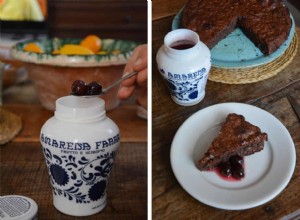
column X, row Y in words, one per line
column 182, row 45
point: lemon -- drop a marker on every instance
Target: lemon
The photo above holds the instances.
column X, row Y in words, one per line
column 73, row 49
column 102, row 52
column 116, row 52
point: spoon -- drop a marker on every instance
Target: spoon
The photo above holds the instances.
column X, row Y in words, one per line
column 105, row 90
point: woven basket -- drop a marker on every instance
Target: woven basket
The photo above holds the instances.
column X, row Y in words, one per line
column 255, row 74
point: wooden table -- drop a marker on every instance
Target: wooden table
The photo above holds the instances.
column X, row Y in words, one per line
column 170, row 200
column 23, row 169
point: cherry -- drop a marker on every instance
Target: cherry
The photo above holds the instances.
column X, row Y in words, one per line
column 79, row 88
column 236, row 159
column 238, row 171
column 225, row 169
column 232, row 167
column 94, row 88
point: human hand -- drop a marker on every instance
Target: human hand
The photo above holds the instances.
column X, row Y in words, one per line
column 136, row 84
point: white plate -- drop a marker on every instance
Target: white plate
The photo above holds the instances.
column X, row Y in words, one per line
column 267, row 173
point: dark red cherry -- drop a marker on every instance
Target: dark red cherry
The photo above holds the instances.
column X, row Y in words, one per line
column 79, row 88
column 237, row 171
column 236, row 159
column 225, row 169
column 94, row 88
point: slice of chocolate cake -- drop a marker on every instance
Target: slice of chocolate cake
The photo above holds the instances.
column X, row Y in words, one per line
column 236, row 137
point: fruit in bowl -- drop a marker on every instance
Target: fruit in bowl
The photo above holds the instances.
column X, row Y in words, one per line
column 54, row 64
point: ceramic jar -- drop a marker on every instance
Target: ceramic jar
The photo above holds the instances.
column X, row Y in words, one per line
column 79, row 144
column 184, row 63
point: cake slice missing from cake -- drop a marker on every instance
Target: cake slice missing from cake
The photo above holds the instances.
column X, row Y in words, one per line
column 236, row 137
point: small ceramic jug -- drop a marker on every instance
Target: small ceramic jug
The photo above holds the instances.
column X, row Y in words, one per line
column 79, row 144
column 184, row 63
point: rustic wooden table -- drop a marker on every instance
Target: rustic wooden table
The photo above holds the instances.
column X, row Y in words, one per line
column 23, row 169
column 170, row 200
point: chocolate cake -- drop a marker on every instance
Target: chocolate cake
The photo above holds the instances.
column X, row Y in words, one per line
column 266, row 23
column 236, row 137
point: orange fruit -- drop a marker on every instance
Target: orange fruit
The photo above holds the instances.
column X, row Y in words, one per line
column 73, row 49
column 92, row 42
column 55, row 52
column 32, row 47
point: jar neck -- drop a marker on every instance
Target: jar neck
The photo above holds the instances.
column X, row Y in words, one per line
column 182, row 43
column 184, row 53
column 99, row 117
column 80, row 110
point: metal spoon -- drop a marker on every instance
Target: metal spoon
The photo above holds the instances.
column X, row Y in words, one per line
column 105, row 90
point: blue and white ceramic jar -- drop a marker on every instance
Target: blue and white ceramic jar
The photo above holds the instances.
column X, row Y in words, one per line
column 184, row 63
column 79, row 144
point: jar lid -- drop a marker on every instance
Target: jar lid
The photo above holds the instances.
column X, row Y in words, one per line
column 15, row 207
column 79, row 109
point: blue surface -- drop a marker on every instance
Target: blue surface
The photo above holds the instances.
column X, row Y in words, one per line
column 237, row 51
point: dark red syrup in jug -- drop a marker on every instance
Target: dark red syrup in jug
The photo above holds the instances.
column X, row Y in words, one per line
column 182, row 45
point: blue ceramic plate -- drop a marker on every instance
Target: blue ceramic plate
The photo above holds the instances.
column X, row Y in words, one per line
column 237, row 51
